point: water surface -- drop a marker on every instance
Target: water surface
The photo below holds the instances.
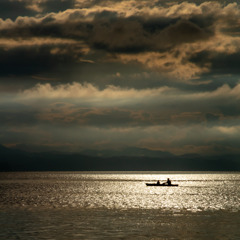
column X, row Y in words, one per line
column 67, row 205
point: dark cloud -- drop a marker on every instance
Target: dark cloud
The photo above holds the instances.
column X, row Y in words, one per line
column 14, row 9
column 106, row 32
column 185, row 31
column 33, row 60
column 136, row 35
column 224, row 67
column 172, row 68
column 56, row 6
column 230, row 109
column 225, row 63
column 121, row 35
column 113, row 33
column 212, row 117
column 18, row 118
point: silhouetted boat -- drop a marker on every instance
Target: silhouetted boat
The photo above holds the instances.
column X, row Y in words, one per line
column 161, row 185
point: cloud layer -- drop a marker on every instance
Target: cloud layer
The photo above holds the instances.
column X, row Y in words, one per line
column 168, row 39
column 108, row 74
column 161, row 118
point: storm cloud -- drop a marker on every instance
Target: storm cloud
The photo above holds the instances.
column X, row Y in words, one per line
column 107, row 74
column 171, row 36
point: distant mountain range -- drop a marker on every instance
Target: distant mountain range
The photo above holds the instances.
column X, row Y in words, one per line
column 129, row 159
column 127, row 152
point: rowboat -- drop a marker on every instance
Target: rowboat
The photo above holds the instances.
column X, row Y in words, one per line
column 161, row 185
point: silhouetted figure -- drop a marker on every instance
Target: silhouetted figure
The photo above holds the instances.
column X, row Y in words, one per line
column 158, row 183
column 169, row 182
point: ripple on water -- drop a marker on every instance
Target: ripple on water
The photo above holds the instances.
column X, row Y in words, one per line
column 196, row 192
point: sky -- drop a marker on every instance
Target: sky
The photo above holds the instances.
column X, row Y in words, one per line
column 113, row 74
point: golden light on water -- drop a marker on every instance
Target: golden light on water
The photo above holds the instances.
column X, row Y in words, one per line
column 196, row 192
column 82, row 205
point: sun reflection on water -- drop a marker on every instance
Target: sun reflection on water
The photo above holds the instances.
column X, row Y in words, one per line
column 196, row 192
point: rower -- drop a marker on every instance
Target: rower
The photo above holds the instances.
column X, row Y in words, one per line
column 169, row 182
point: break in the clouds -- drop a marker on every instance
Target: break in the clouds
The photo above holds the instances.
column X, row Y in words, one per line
column 158, row 74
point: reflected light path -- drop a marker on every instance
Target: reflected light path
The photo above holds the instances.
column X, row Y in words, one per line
column 196, row 192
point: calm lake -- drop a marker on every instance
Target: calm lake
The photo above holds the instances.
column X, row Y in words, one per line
column 119, row 205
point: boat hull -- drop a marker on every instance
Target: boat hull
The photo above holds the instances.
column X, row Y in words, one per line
column 161, row 185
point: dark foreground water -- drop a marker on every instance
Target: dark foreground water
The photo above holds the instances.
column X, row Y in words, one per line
column 119, row 206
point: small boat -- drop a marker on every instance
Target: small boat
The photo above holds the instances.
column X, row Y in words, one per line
column 161, row 185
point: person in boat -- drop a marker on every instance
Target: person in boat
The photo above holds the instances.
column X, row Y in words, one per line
column 158, row 182
column 168, row 182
